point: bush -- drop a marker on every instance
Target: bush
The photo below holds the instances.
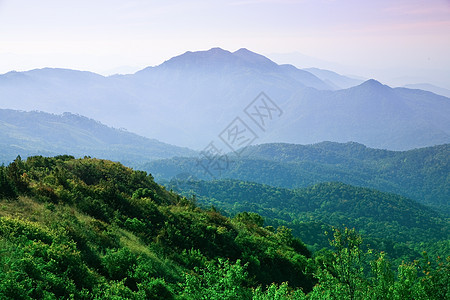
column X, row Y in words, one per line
column 119, row 262
column 217, row 282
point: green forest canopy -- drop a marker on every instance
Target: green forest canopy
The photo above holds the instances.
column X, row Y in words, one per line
column 420, row 174
column 94, row 229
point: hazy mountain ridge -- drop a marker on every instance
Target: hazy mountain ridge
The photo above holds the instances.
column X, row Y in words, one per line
column 372, row 114
column 336, row 80
column 324, row 152
column 189, row 99
column 32, row 133
column 429, row 87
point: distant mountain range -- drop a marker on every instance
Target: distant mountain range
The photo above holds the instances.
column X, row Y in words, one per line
column 429, row 87
column 190, row 100
column 335, row 80
column 38, row 133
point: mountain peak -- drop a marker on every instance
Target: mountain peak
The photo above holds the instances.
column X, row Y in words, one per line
column 217, row 50
column 372, row 83
column 253, row 58
column 217, row 58
column 208, row 58
column 243, row 50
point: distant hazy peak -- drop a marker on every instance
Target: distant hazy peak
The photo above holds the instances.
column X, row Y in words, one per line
column 220, row 58
column 373, row 83
column 213, row 52
column 61, row 71
column 216, row 50
column 374, row 86
column 252, row 57
column 244, row 51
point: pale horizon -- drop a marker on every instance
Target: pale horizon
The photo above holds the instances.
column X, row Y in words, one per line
column 395, row 42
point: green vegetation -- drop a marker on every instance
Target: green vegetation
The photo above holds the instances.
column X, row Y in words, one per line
column 126, row 234
column 390, row 223
column 420, row 174
column 94, row 229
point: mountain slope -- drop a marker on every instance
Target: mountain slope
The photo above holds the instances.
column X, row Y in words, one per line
column 30, row 133
column 384, row 216
column 420, row 174
column 334, row 79
column 190, row 99
column 94, row 229
column 429, row 87
column 371, row 113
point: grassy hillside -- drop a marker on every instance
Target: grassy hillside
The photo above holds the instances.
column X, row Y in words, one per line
column 94, row 229
column 124, row 233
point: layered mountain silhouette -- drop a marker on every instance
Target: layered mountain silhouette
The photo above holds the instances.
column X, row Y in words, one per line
column 334, row 79
column 372, row 114
column 429, row 87
column 190, row 99
column 38, row 133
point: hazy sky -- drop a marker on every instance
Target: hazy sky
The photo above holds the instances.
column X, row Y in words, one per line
column 384, row 38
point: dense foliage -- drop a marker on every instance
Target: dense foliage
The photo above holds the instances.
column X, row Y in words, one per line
column 94, row 229
column 420, row 174
column 125, row 233
column 390, row 223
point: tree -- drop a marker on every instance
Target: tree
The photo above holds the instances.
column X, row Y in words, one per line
column 16, row 175
column 7, row 188
column 342, row 277
column 223, row 280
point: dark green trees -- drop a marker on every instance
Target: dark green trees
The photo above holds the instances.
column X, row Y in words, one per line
column 94, row 229
column 7, row 188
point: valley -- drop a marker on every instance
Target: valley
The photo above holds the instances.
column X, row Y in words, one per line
column 104, row 192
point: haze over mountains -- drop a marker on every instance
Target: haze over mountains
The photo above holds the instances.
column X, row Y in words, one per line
column 38, row 133
column 130, row 237
column 190, row 99
column 334, row 79
column 429, row 87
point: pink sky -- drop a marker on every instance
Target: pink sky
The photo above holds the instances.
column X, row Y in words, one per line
column 363, row 37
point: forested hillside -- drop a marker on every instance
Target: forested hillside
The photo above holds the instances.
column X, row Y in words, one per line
column 420, row 174
column 40, row 133
column 385, row 219
column 94, row 229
